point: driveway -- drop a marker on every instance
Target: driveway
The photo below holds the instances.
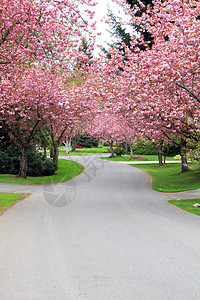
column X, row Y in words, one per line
column 105, row 235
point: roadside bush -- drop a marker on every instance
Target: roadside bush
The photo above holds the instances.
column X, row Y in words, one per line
column 148, row 148
column 119, row 151
column 86, row 141
column 38, row 165
column 139, row 158
column 48, row 167
column 177, row 157
column 144, row 148
column 9, row 160
column 171, row 150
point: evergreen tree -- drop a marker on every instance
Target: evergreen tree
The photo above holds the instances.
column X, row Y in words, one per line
column 85, row 47
column 139, row 10
column 138, row 7
column 116, row 29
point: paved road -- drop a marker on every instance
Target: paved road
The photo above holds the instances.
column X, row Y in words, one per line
column 103, row 236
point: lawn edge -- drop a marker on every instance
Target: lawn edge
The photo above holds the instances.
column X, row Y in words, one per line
column 181, row 208
column 163, row 191
column 24, row 196
column 41, row 183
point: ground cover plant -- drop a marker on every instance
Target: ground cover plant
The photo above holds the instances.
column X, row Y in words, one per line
column 168, row 178
column 66, row 170
column 8, row 199
column 187, row 205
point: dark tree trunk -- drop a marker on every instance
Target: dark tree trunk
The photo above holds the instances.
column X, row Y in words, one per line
column 111, row 149
column 126, row 147
column 184, row 167
column 23, row 162
column 55, row 154
column 160, row 154
column 165, row 155
column 73, row 143
column 131, row 151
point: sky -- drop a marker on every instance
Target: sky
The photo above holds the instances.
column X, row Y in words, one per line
column 100, row 12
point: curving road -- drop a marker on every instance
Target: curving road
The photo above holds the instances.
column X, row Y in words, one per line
column 105, row 235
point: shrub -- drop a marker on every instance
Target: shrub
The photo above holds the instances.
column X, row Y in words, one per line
column 48, row 167
column 119, row 151
column 171, row 150
column 178, row 157
column 139, row 158
column 38, row 165
column 35, row 161
column 86, row 141
column 144, row 148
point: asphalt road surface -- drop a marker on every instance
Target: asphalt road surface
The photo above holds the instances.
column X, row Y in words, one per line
column 105, row 235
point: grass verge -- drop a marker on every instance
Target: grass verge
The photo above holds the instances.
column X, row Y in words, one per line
column 187, row 205
column 9, row 199
column 62, row 150
column 170, row 179
column 127, row 158
column 82, row 151
column 66, row 170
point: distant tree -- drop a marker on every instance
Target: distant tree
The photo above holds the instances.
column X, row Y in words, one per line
column 86, row 50
column 139, row 10
column 118, row 31
column 137, row 5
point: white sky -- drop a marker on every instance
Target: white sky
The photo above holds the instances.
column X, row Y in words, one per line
column 100, row 12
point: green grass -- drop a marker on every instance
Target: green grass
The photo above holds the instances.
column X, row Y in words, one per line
column 8, row 199
column 187, row 205
column 66, row 170
column 62, row 150
column 170, row 179
column 127, row 158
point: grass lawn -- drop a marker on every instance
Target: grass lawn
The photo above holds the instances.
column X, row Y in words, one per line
column 8, row 199
column 187, row 205
column 170, row 179
column 82, row 151
column 62, row 150
column 127, row 158
column 66, row 170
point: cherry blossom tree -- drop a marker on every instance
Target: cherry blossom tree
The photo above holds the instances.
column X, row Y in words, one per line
column 41, row 30
column 25, row 103
column 162, row 83
column 36, row 36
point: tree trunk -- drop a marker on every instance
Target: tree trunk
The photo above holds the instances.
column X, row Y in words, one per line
column 101, row 143
column 55, row 154
column 111, row 149
column 131, row 152
column 23, row 162
column 67, row 145
column 184, row 167
column 126, row 147
column 165, row 155
column 73, row 143
column 160, row 154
